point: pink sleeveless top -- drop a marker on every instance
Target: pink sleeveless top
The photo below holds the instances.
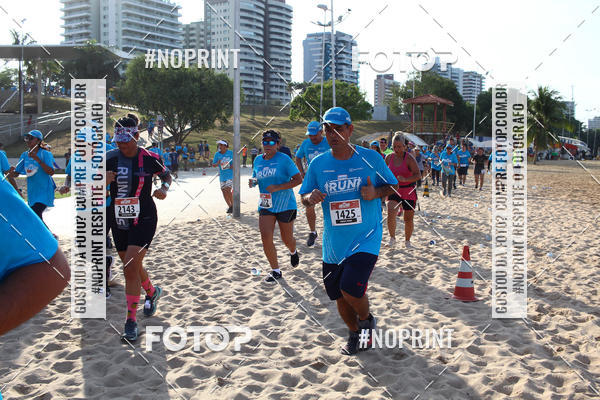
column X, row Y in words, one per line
column 407, row 190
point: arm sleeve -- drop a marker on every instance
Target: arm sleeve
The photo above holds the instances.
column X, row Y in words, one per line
column 309, row 183
column 21, row 164
column 4, row 165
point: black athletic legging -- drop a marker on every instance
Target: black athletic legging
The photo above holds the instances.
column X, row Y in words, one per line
column 39, row 208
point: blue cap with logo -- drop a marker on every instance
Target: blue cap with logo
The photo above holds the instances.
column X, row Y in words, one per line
column 337, row 116
column 313, row 128
column 36, row 134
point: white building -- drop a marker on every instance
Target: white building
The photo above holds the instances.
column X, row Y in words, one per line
column 123, row 24
column 313, row 56
column 468, row 83
column 384, row 83
column 266, row 28
column 594, row 123
column 193, row 35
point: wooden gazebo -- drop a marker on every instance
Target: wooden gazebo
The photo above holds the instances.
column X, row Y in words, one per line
column 427, row 126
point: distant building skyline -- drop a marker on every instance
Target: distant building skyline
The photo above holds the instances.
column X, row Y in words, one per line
column 314, row 59
column 594, row 123
column 383, row 85
column 468, row 83
column 194, row 35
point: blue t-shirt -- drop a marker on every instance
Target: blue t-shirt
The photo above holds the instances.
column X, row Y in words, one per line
column 4, row 164
column 225, row 162
column 446, row 160
column 155, row 150
column 17, row 252
column 356, row 225
column 275, row 171
column 435, row 161
column 463, row 158
column 40, row 185
column 309, row 150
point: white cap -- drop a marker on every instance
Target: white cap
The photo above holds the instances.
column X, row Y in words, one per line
column 222, row 142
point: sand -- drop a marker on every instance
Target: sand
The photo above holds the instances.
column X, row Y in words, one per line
column 203, row 263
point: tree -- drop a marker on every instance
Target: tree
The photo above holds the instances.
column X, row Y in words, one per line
column 93, row 62
column 305, row 106
column 189, row 99
column 432, row 83
column 484, row 110
column 547, row 108
column 8, row 77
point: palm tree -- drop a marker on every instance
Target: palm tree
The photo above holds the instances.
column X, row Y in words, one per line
column 548, row 108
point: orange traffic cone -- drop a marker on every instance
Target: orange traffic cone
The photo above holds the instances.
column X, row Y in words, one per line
column 464, row 290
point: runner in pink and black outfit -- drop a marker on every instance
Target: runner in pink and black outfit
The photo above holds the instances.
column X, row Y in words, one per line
column 404, row 167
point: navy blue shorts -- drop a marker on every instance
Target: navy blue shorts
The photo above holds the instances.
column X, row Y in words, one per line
column 351, row 276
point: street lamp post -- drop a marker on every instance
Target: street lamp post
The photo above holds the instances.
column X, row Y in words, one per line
column 324, row 8
column 332, row 54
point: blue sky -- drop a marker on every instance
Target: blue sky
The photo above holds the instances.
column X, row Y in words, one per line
column 509, row 39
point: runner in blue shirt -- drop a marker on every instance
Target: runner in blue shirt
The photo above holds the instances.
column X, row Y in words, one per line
column 224, row 160
column 448, row 161
column 154, row 149
column 276, row 175
column 33, row 269
column 434, row 164
column 37, row 164
column 311, row 147
column 463, row 163
column 349, row 181
column 5, row 169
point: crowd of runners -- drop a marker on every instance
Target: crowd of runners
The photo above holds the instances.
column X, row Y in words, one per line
column 354, row 185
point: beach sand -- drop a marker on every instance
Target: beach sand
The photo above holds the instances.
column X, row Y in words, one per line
column 203, row 263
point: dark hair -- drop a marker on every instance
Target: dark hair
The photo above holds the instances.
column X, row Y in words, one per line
column 126, row 122
column 134, row 117
column 273, row 133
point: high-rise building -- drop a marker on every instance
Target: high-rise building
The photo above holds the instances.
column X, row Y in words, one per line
column 314, row 58
column 468, row 83
column 193, row 35
column 123, row 24
column 265, row 57
column 569, row 109
column 384, row 83
column 594, row 123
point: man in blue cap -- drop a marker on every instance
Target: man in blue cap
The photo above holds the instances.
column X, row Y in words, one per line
column 349, row 182
column 309, row 149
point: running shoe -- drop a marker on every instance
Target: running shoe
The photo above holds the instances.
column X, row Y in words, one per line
column 130, row 333
column 110, row 262
column 273, row 276
column 369, row 325
column 310, row 242
column 150, row 303
column 351, row 346
column 443, row 193
column 408, row 245
column 295, row 259
column 109, row 244
column 108, row 294
column 392, row 242
column 230, row 210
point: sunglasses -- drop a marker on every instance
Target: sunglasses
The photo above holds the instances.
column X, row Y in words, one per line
column 269, row 143
column 27, row 138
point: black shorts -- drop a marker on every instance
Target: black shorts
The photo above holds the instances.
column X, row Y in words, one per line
column 462, row 170
column 283, row 216
column 479, row 169
column 351, row 276
column 407, row 205
column 138, row 235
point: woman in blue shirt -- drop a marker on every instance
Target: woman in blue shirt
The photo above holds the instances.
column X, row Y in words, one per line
column 276, row 175
column 37, row 164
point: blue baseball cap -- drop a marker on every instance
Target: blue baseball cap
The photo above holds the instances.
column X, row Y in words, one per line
column 337, row 116
column 313, row 128
column 36, row 134
column 374, row 143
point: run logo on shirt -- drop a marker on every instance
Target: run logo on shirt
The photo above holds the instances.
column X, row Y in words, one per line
column 343, row 184
column 266, row 172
